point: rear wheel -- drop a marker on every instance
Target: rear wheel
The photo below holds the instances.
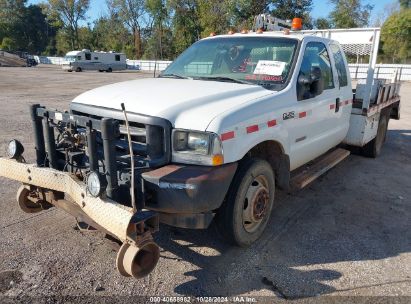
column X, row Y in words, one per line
column 245, row 213
column 109, row 70
column 78, row 69
column 373, row 148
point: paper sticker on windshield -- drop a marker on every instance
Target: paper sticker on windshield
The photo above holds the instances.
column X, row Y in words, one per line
column 269, row 67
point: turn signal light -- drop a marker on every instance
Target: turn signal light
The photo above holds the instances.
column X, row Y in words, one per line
column 217, row 160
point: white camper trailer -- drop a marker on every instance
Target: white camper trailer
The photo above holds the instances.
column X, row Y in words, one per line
column 95, row 61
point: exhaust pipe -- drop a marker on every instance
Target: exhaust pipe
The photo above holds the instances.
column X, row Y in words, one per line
column 138, row 260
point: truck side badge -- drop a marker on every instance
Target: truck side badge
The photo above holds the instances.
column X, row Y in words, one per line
column 288, row 115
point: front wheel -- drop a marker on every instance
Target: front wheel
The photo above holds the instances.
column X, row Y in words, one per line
column 244, row 215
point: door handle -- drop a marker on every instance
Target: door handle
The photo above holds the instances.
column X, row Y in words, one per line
column 337, row 105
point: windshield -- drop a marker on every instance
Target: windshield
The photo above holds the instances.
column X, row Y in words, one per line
column 70, row 58
column 264, row 61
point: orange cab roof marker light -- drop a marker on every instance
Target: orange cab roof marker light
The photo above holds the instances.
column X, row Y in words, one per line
column 244, row 31
column 212, row 34
column 231, row 32
column 260, row 31
column 297, row 24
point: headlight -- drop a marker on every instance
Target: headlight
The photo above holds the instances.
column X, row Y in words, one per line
column 95, row 184
column 201, row 148
column 15, row 149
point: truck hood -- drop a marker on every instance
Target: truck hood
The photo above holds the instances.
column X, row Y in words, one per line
column 186, row 103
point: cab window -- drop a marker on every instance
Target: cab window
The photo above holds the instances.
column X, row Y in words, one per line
column 315, row 58
column 88, row 56
column 340, row 65
column 117, row 57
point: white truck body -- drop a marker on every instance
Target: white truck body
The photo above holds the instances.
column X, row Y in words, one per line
column 94, row 61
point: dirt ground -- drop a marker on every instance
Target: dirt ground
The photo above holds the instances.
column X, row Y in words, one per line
column 348, row 234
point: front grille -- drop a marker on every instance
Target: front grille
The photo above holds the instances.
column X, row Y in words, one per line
column 150, row 138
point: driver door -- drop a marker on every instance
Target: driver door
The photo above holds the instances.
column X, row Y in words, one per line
column 312, row 129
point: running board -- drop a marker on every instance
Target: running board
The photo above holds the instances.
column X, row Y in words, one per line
column 318, row 168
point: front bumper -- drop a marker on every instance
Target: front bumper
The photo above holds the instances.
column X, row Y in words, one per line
column 187, row 196
column 116, row 219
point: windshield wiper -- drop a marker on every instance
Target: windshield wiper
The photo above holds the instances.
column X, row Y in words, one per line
column 220, row 78
column 173, row 76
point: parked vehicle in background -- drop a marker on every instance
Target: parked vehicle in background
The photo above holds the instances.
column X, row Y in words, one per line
column 232, row 119
column 17, row 59
column 86, row 60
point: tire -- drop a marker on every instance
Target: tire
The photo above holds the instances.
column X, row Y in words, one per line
column 373, row 148
column 109, row 70
column 101, row 71
column 78, row 69
column 246, row 211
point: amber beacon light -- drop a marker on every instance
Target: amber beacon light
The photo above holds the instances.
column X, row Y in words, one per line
column 297, row 24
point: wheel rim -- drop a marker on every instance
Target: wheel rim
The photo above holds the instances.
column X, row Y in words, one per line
column 256, row 204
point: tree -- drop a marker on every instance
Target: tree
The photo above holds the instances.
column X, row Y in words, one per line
column 288, row 9
column 109, row 33
column 350, row 13
column 395, row 35
column 322, row 23
column 160, row 21
column 213, row 16
column 71, row 12
column 404, row 4
column 186, row 23
column 24, row 27
column 244, row 11
column 133, row 14
column 386, row 12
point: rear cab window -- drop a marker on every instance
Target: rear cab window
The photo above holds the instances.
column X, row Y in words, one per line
column 340, row 64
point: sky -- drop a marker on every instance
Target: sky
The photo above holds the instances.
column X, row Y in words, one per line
column 320, row 8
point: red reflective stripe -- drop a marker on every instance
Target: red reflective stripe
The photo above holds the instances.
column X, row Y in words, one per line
column 346, row 102
column 227, row 136
column 253, row 128
column 332, row 106
column 271, row 123
column 302, row 114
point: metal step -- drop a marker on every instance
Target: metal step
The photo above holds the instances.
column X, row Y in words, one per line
column 319, row 167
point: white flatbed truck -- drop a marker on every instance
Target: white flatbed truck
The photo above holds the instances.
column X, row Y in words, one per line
column 230, row 120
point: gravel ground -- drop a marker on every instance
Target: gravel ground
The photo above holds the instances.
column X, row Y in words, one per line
column 348, row 234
